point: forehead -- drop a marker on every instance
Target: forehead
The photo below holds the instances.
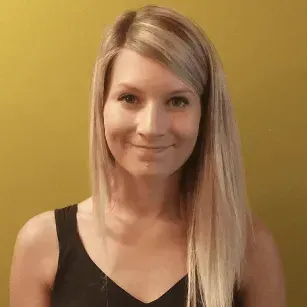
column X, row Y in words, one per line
column 133, row 68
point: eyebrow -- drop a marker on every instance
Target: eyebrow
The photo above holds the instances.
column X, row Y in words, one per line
column 137, row 90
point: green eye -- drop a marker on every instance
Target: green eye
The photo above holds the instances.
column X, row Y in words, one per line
column 179, row 102
column 130, row 99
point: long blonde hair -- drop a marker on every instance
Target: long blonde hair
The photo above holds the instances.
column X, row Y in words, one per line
column 213, row 198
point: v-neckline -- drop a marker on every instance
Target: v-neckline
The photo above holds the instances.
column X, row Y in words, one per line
column 151, row 303
column 112, row 282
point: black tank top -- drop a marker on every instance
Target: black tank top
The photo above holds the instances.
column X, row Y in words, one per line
column 80, row 283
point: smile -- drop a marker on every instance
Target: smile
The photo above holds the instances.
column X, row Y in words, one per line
column 153, row 149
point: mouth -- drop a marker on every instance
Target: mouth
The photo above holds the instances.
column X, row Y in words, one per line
column 152, row 148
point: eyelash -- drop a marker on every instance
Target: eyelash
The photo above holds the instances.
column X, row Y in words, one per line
column 183, row 99
column 123, row 97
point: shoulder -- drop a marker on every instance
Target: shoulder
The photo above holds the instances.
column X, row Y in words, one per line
column 260, row 238
column 41, row 222
column 37, row 246
column 263, row 280
column 38, row 230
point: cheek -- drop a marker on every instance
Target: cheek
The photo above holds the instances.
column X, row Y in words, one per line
column 187, row 131
column 187, row 128
column 111, row 125
column 117, row 128
column 112, row 117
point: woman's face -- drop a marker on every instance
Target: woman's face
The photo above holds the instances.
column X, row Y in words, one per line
column 151, row 116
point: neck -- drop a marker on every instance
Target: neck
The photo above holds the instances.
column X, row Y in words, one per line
column 145, row 197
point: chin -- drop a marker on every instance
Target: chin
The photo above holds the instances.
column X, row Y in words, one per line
column 148, row 170
column 149, row 173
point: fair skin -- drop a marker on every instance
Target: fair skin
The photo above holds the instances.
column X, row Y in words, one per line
column 151, row 127
column 151, row 131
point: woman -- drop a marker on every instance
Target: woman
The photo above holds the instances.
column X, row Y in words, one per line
column 167, row 224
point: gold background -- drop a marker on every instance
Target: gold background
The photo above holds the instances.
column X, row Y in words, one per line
column 47, row 51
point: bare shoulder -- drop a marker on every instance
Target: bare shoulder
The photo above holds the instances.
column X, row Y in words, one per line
column 263, row 273
column 36, row 252
column 260, row 237
column 37, row 228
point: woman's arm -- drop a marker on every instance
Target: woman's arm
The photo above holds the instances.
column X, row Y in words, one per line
column 263, row 277
column 34, row 263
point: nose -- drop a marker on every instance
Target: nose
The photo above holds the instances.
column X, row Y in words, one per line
column 153, row 121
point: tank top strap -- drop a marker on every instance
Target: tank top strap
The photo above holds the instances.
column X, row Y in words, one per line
column 66, row 225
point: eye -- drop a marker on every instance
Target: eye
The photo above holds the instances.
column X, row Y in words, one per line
column 179, row 102
column 128, row 98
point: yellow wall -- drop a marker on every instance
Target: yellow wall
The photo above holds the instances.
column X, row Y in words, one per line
column 47, row 49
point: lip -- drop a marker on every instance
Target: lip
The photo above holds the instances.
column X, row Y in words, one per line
column 152, row 148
